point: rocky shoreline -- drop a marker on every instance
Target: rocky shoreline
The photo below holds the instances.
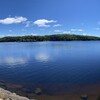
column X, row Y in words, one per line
column 7, row 95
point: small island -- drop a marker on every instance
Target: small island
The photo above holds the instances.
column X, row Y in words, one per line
column 56, row 37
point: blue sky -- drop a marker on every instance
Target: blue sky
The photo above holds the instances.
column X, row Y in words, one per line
column 40, row 17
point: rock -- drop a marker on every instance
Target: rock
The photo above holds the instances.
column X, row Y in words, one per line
column 7, row 95
column 38, row 91
column 84, row 97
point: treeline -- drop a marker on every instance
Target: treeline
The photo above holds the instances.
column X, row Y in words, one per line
column 57, row 37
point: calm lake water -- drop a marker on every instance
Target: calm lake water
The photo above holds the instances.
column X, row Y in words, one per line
column 55, row 67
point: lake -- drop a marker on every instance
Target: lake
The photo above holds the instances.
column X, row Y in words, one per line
column 57, row 68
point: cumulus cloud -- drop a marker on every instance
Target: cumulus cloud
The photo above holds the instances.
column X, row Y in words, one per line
column 57, row 31
column 66, row 32
column 43, row 22
column 72, row 29
column 84, row 34
column 78, row 30
column 28, row 23
column 13, row 20
column 33, row 34
column 57, row 25
column 62, row 31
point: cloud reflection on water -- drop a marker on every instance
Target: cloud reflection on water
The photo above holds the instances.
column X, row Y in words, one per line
column 12, row 60
column 42, row 57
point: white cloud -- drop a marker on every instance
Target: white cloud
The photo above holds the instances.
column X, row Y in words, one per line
column 68, row 32
column 44, row 22
column 73, row 29
column 28, row 23
column 34, row 34
column 13, row 20
column 58, row 31
column 84, row 34
column 80, row 30
column 57, row 25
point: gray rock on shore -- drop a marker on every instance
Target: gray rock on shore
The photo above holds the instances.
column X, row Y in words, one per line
column 7, row 95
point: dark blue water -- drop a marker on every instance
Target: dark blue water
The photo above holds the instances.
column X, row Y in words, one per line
column 51, row 65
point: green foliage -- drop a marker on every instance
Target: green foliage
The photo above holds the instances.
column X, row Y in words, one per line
column 57, row 37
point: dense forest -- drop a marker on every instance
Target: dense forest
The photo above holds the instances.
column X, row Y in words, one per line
column 56, row 37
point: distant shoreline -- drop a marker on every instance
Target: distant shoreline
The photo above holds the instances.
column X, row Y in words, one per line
column 56, row 37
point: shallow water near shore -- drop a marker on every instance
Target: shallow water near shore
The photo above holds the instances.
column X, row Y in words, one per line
column 66, row 69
